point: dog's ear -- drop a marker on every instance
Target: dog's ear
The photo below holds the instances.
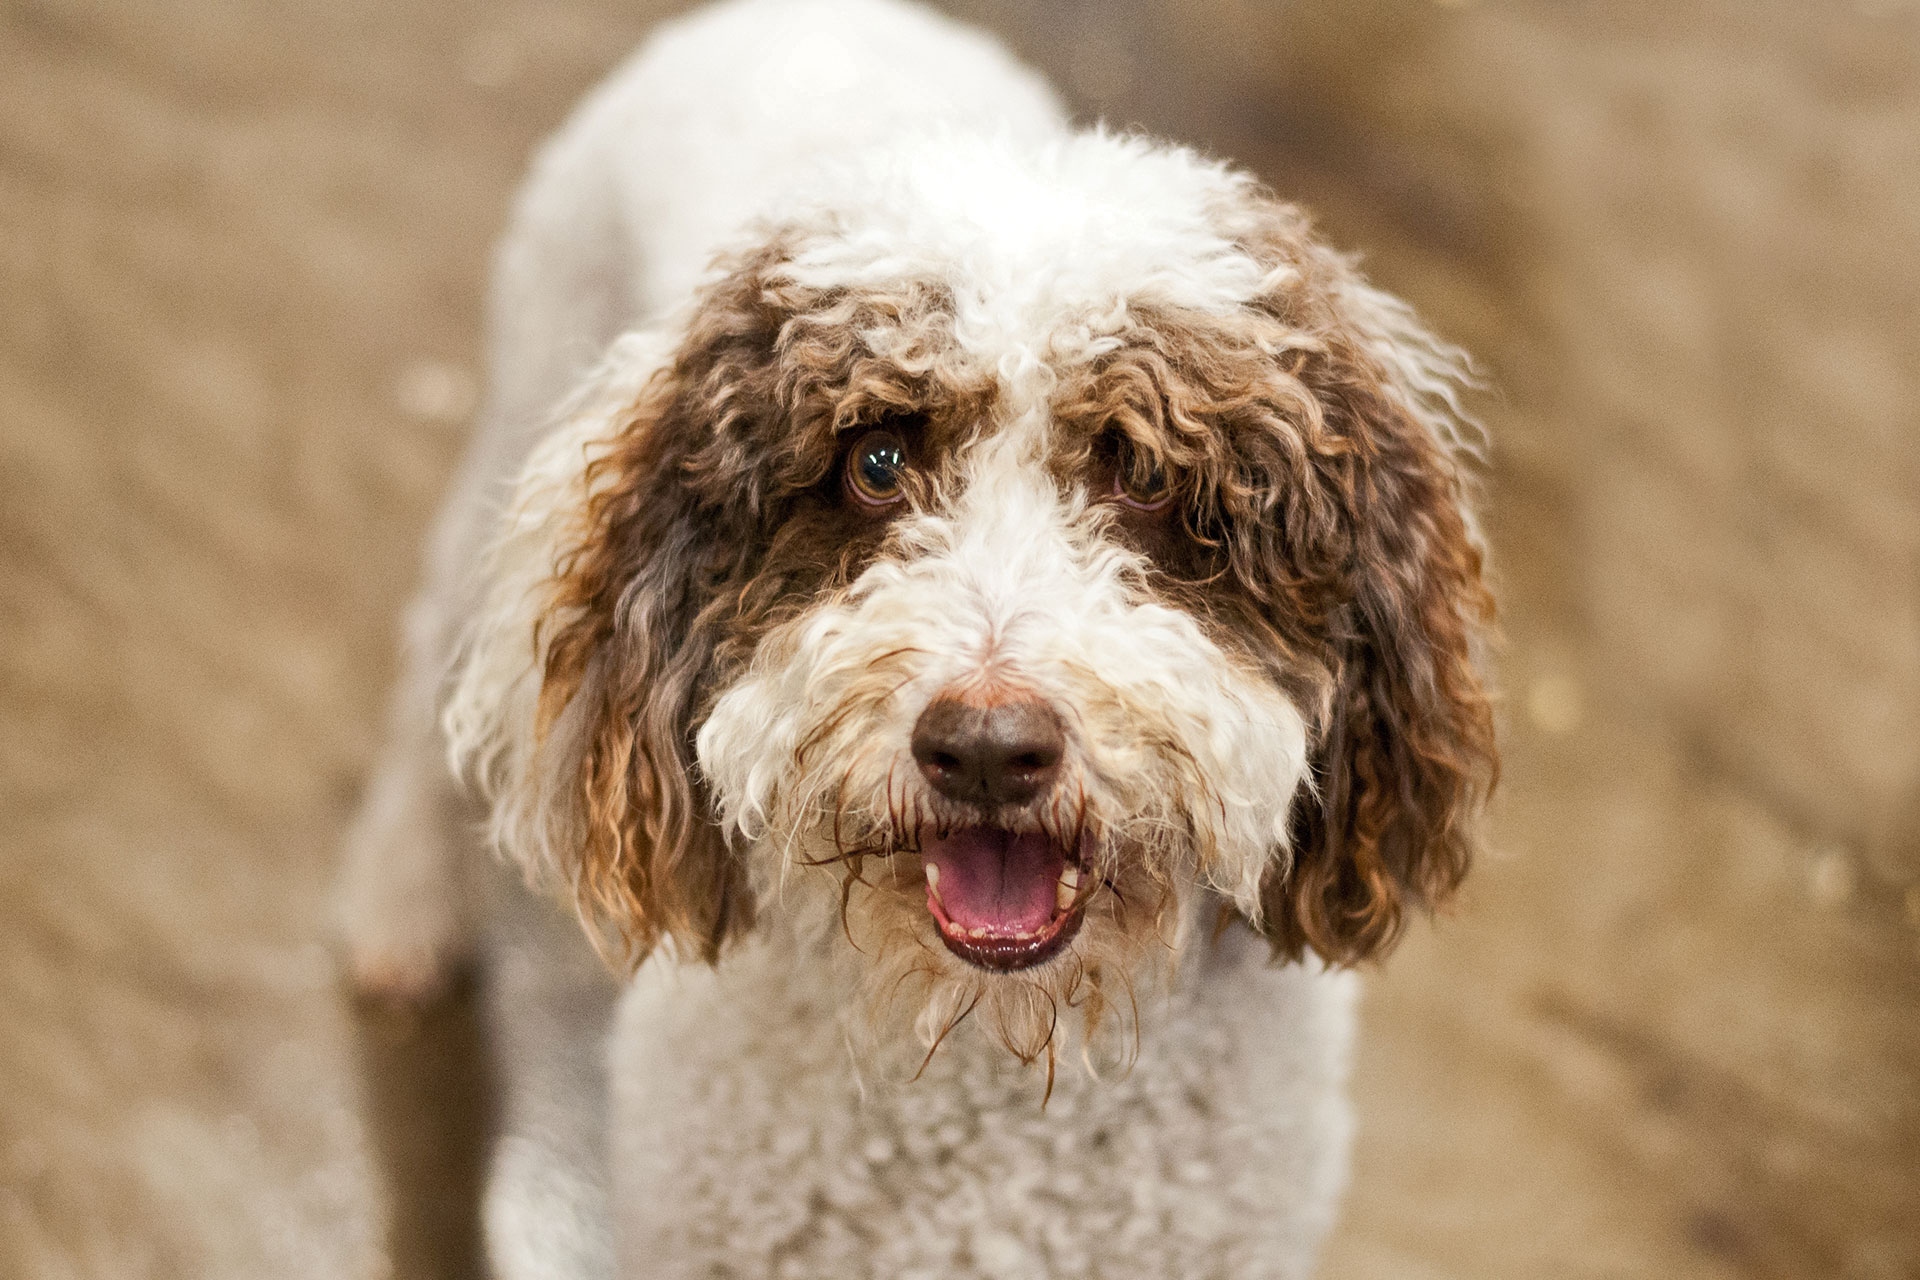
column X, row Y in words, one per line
column 1380, row 539
column 574, row 691
column 608, row 598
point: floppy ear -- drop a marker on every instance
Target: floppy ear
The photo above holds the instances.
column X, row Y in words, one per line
column 1405, row 754
column 578, row 684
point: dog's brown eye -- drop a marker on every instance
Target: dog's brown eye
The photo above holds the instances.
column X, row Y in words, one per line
column 876, row 468
column 1140, row 483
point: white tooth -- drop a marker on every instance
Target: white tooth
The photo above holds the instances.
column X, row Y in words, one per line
column 1067, row 888
column 933, row 877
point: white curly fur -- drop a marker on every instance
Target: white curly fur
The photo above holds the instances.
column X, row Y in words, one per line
column 765, row 1118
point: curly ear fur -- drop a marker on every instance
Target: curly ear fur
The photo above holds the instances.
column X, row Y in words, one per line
column 1406, row 755
column 573, row 687
column 609, row 606
column 631, row 640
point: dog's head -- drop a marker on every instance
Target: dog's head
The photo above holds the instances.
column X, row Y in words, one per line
column 989, row 565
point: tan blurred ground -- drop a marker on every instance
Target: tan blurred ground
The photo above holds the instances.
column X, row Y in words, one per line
column 1670, row 1031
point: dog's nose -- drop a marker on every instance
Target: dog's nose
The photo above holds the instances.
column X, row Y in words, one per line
column 1006, row 753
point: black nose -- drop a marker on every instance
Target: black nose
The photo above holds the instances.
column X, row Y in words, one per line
column 1006, row 753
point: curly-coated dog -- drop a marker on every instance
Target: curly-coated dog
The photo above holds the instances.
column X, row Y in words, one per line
column 986, row 625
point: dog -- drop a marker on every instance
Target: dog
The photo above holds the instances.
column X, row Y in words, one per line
column 983, row 621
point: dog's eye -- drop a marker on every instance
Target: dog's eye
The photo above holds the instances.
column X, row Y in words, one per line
column 1140, row 482
column 876, row 468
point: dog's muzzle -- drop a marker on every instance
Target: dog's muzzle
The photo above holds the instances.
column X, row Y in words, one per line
column 1003, row 898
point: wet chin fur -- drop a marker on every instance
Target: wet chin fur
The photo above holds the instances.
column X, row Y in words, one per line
column 984, row 932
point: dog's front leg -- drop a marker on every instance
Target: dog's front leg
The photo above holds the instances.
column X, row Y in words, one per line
column 404, row 893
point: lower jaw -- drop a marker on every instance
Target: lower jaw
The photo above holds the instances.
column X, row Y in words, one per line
column 1009, row 954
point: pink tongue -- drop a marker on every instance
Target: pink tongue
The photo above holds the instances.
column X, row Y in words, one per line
column 995, row 880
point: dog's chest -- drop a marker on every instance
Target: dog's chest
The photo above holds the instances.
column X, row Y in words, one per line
column 745, row 1145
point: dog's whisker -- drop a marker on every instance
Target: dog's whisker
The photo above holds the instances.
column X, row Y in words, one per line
column 839, row 808
column 942, row 1037
column 1047, row 1097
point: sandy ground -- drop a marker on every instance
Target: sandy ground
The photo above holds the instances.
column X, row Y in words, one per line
column 241, row 250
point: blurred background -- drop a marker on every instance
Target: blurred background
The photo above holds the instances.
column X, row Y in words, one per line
column 1671, row 1028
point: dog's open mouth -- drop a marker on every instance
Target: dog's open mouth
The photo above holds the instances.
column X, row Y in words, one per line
column 1003, row 900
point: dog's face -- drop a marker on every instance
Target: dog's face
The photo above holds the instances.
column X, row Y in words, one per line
column 990, row 576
